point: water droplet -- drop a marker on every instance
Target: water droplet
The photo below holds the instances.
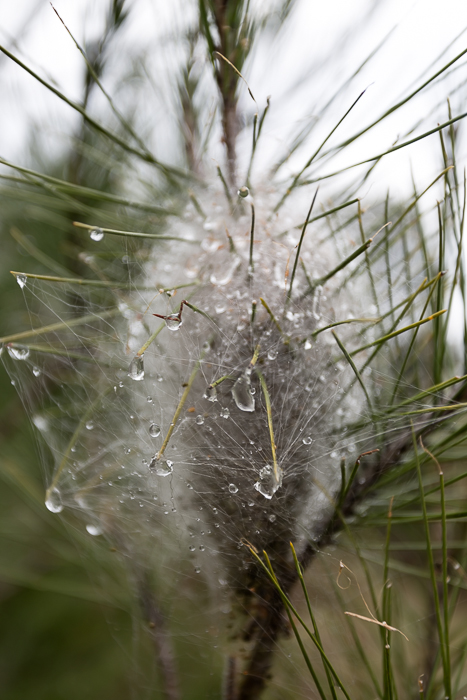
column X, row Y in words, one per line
column 154, row 430
column 94, row 530
column 89, row 425
column 53, row 500
column 161, row 468
column 272, row 354
column 36, row 371
column 272, row 518
column 149, row 399
column 20, row 352
column 136, row 369
column 219, row 309
column 97, row 234
column 241, row 392
column 225, row 413
column 233, row 488
column 210, row 394
column 22, row 280
column 269, row 481
column 191, row 548
column 243, row 192
column 199, row 420
column 197, row 570
column 173, row 322
column 307, row 345
column 307, row 440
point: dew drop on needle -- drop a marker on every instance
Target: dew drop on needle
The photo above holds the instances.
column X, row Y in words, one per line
column 210, row 393
column 270, row 481
column 173, row 322
column 161, row 467
column 242, row 394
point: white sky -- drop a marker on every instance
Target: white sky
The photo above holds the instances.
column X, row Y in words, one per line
column 323, row 44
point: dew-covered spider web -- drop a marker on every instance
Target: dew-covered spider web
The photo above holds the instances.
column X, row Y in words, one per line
column 206, row 400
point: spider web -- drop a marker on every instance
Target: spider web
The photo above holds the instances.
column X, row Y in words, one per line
column 222, row 424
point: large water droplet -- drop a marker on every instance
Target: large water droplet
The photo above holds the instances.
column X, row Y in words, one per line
column 94, row 530
column 53, row 501
column 199, row 420
column 21, row 279
column 154, row 430
column 233, row 488
column 241, row 392
column 210, row 394
column 243, row 192
column 161, row 468
column 97, row 234
column 173, row 322
column 20, row 352
column 136, row 369
column 269, row 481
column 307, row 440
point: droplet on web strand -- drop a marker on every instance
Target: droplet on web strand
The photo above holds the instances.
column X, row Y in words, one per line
column 136, row 369
column 53, row 501
column 96, row 234
column 154, row 430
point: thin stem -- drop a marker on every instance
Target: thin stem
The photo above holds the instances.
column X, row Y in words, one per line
column 252, row 239
column 179, row 408
column 431, row 563
column 297, row 257
column 132, row 234
column 354, row 368
column 270, row 426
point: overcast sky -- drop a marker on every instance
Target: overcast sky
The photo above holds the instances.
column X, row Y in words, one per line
column 322, row 45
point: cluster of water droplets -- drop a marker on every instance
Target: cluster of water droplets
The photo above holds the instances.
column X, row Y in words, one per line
column 182, row 433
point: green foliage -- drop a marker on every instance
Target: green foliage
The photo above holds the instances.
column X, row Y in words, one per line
column 387, row 560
